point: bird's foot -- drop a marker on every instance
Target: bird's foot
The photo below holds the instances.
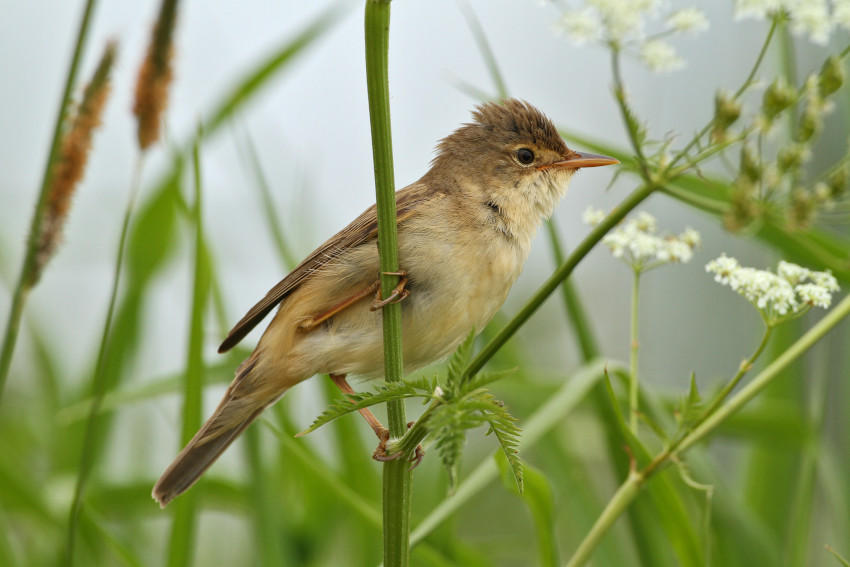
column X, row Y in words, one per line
column 397, row 294
column 381, row 455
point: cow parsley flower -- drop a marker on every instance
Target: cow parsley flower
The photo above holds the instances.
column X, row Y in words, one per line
column 810, row 18
column 688, row 20
column 638, row 243
column 626, row 23
column 592, row 216
column 660, row 56
column 790, row 292
column 582, row 26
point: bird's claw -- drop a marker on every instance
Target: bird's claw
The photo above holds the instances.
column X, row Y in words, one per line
column 381, row 455
column 398, row 293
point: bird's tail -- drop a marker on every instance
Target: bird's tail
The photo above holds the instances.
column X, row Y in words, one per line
column 231, row 417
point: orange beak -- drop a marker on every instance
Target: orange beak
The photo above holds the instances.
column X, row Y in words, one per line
column 579, row 160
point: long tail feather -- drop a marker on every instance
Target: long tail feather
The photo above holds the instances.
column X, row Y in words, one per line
column 199, row 454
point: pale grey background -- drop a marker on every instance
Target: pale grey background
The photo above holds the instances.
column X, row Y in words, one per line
column 312, row 133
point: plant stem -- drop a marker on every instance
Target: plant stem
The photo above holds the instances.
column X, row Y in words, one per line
column 181, row 543
column 747, row 82
column 576, row 314
column 628, row 119
column 745, row 367
column 397, row 477
column 629, row 489
column 99, row 383
column 562, row 273
column 633, row 358
column 616, row 506
column 24, row 284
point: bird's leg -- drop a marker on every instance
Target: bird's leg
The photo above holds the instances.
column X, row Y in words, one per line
column 321, row 318
column 398, row 293
column 382, row 432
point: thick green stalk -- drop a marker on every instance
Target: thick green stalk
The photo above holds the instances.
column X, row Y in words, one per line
column 397, row 477
column 24, row 284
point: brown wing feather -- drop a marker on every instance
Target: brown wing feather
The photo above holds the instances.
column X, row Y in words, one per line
column 362, row 229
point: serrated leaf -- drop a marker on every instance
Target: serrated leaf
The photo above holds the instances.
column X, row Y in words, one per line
column 482, row 379
column 503, row 427
column 362, row 400
column 449, row 448
column 457, row 363
column 691, row 405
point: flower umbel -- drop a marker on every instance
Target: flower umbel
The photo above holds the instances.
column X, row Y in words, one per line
column 625, row 23
column 638, row 243
column 789, row 293
column 811, row 18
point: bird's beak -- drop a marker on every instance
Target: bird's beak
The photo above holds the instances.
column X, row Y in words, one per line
column 579, row 160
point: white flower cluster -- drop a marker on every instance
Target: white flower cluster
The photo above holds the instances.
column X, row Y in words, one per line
column 638, row 243
column 791, row 290
column 813, row 18
column 624, row 22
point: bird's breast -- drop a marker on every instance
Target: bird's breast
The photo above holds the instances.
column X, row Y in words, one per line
column 458, row 282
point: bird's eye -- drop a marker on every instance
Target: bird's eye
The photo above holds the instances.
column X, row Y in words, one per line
column 525, row 156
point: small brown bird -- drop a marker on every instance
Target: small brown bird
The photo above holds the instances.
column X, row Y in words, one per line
column 464, row 233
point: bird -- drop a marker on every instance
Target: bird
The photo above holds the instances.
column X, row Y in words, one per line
column 465, row 230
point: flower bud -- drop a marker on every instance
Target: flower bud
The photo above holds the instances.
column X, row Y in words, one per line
column 778, row 96
column 726, row 112
column 831, row 76
column 837, row 182
column 802, row 208
column 743, row 208
column 751, row 169
column 791, row 157
column 810, row 124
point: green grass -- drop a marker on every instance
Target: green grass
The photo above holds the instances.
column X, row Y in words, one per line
column 776, row 465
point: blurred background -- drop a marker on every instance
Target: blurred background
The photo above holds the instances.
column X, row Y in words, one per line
column 309, row 126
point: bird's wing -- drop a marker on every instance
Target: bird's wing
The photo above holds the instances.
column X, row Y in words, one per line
column 362, row 229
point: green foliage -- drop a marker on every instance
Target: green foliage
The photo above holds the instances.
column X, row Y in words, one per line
column 777, row 466
column 458, row 406
column 422, row 388
column 691, row 406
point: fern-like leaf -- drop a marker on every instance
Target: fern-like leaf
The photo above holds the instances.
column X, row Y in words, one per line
column 504, row 428
column 457, row 363
column 361, row 400
column 482, row 379
column 690, row 406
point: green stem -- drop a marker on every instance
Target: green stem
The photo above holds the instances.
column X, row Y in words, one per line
column 628, row 491
column 616, row 506
column 100, row 381
column 628, row 119
column 576, row 314
column 633, row 358
column 25, row 283
column 747, row 82
column 397, row 477
column 181, row 544
column 562, row 273
column 766, row 376
column 743, row 369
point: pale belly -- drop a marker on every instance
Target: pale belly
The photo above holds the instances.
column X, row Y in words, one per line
column 455, row 288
